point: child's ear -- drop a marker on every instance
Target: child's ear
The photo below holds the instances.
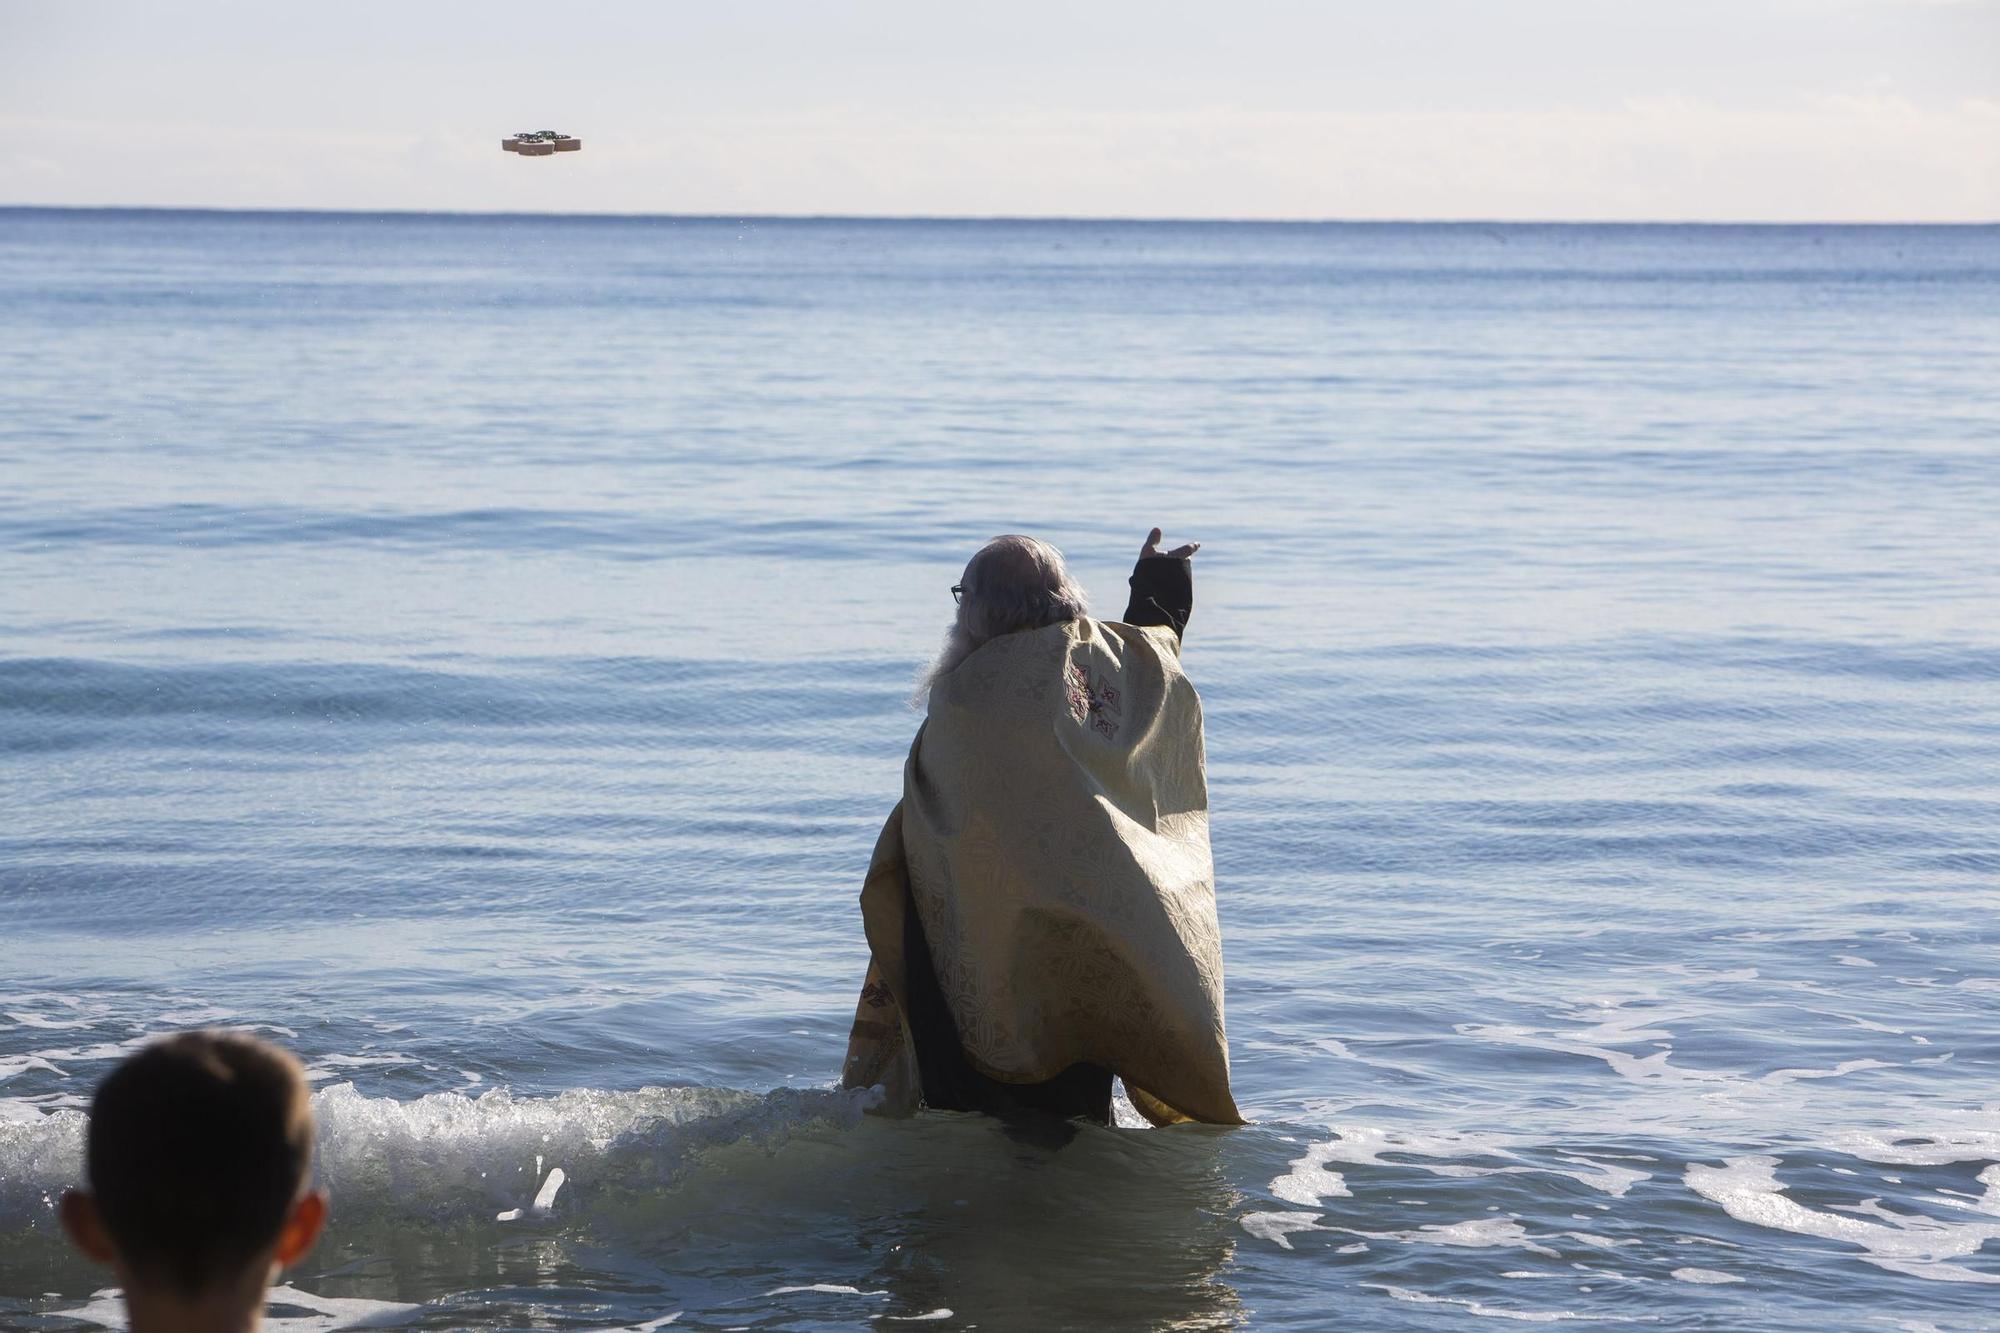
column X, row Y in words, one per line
column 85, row 1228
column 301, row 1229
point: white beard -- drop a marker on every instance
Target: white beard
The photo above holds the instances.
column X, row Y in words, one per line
column 958, row 645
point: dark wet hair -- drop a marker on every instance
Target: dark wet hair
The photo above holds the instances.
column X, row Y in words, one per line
column 198, row 1147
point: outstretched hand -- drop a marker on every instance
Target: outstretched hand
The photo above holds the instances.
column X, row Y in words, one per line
column 1152, row 547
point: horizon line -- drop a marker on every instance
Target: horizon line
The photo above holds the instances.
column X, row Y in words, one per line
column 1102, row 219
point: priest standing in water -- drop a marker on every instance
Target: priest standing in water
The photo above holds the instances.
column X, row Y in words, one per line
column 1040, row 906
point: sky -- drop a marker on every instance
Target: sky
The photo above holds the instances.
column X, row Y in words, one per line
column 1750, row 110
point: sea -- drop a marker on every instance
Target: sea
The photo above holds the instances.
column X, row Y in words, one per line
column 477, row 651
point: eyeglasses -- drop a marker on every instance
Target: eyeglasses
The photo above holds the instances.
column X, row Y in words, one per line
column 958, row 592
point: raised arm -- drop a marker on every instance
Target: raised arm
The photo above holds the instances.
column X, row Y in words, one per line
column 1162, row 585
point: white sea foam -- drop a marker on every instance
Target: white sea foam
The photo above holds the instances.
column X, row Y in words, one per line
column 1608, row 1025
column 287, row 1309
column 339, row 1066
column 1309, row 1182
column 1596, row 1241
column 1601, row 1175
column 1367, row 1145
column 13, row 1066
column 194, row 1016
column 1481, row 1233
column 1963, row 1136
column 1748, row 1190
column 1704, row 1276
column 1499, row 1312
column 52, row 1059
column 1278, row 1228
column 47, row 1023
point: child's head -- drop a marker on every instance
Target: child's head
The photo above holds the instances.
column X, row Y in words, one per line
column 198, row 1156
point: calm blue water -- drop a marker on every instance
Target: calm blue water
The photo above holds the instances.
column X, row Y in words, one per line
column 476, row 652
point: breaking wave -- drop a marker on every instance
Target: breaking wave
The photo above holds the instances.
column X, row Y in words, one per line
column 450, row 1157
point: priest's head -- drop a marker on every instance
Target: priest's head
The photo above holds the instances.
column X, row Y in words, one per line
column 1012, row 583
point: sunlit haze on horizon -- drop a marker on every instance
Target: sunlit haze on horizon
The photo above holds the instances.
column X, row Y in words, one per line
column 1783, row 110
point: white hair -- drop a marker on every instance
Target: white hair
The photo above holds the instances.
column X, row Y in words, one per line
column 1012, row 583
